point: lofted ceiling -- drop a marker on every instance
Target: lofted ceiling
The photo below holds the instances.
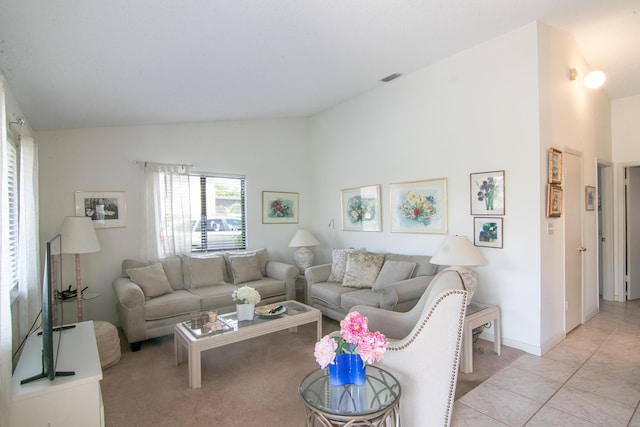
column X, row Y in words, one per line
column 93, row 63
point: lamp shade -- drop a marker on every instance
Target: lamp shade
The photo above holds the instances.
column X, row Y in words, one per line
column 458, row 251
column 303, row 238
column 79, row 236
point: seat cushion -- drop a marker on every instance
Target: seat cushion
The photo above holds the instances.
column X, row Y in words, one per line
column 268, row 287
column 359, row 297
column 169, row 305
column 215, row 296
column 330, row 293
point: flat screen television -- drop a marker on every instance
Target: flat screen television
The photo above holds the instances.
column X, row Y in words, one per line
column 51, row 280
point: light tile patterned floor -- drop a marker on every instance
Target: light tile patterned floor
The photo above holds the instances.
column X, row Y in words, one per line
column 592, row 378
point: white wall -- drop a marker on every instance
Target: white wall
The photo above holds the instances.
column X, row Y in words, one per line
column 473, row 112
column 271, row 153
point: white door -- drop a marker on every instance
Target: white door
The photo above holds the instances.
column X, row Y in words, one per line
column 573, row 194
column 633, row 233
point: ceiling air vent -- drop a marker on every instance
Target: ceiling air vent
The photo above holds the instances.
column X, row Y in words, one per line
column 391, row 77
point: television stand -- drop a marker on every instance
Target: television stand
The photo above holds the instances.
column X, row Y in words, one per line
column 43, row 374
column 60, row 328
column 56, row 403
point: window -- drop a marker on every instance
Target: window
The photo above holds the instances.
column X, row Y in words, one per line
column 11, row 226
column 218, row 213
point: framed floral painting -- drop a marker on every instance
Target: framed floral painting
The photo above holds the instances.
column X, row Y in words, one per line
column 361, row 210
column 419, row 207
column 487, row 193
column 279, row 207
column 487, row 232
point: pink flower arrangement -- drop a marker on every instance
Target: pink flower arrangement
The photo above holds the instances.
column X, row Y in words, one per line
column 355, row 338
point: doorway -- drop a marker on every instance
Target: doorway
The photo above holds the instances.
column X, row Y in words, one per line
column 604, row 207
column 573, row 245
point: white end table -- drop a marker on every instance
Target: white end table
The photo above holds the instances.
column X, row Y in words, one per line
column 477, row 315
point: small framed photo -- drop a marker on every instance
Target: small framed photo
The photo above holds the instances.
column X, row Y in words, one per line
column 487, row 193
column 361, row 209
column 419, row 207
column 554, row 200
column 279, row 207
column 107, row 209
column 487, row 232
column 590, row 198
column 555, row 166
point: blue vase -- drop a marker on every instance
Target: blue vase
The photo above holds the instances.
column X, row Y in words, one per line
column 347, row 369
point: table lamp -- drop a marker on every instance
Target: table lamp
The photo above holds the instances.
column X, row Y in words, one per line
column 78, row 237
column 303, row 256
column 459, row 253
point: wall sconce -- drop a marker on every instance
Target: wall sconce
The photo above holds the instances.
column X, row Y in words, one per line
column 593, row 80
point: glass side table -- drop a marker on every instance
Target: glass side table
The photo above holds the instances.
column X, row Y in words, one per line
column 375, row 403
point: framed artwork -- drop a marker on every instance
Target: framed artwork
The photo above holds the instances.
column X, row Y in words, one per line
column 590, row 198
column 487, row 232
column 279, row 207
column 555, row 166
column 107, row 209
column 487, row 193
column 361, row 209
column 554, row 200
column 419, row 207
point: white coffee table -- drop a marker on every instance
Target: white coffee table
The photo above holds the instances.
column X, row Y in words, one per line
column 297, row 314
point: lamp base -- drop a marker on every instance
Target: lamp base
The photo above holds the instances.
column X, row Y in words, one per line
column 303, row 257
column 469, row 280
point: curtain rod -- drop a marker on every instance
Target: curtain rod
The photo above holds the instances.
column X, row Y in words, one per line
column 145, row 163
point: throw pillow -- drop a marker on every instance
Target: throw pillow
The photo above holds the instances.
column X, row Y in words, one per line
column 245, row 268
column 151, row 279
column 362, row 269
column 339, row 263
column 263, row 259
column 423, row 266
column 206, row 271
column 392, row 272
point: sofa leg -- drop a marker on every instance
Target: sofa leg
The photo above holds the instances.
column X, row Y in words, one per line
column 135, row 346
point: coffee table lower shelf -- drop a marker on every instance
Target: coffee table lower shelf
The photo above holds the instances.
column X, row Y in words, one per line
column 186, row 344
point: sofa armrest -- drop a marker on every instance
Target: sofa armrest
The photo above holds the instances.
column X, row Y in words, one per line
column 392, row 324
column 285, row 272
column 317, row 273
column 404, row 291
column 130, row 309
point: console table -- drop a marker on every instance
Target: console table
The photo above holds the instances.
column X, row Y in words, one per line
column 74, row 401
column 477, row 315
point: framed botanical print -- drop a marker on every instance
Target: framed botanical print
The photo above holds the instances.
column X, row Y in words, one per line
column 554, row 200
column 487, row 232
column 555, row 166
column 279, row 207
column 361, row 209
column 107, row 209
column 419, row 206
column 487, row 193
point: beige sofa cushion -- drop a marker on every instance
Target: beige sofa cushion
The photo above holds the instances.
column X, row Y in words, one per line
column 423, row 266
column 392, row 272
column 263, row 259
column 151, row 279
column 362, row 269
column 172, row 269
column 203, row 271
column 245, row 268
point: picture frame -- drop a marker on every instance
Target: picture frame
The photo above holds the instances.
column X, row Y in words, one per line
column 107, row 209
column 554, row 200
column 488, row 232
column 590, row 198
column 555, row 166
column 487, row 193
column 419, row 206
column 279, row 207
column 361, row 209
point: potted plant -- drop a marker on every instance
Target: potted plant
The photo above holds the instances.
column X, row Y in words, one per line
column 246, row 299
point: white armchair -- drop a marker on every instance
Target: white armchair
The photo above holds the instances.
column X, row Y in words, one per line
column 424, row 349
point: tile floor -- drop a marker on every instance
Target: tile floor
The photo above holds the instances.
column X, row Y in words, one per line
column 592, row 378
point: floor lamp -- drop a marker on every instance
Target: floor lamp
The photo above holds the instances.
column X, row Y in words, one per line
column 79, row 237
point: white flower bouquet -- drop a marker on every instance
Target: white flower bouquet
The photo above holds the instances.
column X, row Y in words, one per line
column 246, row 295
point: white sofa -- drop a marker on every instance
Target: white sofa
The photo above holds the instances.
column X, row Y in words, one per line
column 154, row 295
column 357, row 277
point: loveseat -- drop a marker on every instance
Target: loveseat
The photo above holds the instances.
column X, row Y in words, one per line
column 154, row 295
column 357, row 277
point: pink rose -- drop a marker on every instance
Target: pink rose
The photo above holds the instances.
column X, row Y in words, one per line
column 325, row 351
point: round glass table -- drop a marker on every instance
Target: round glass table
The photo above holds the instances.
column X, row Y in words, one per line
column 375, row 403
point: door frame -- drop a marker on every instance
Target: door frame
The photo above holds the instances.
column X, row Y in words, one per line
column 605, row 196
column 620, row 247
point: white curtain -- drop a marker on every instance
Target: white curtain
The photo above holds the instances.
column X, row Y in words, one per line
column 5, row 297
column 28, row 240
column 167, row 212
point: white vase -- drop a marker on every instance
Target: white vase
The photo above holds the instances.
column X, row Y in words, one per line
column 245, row 311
